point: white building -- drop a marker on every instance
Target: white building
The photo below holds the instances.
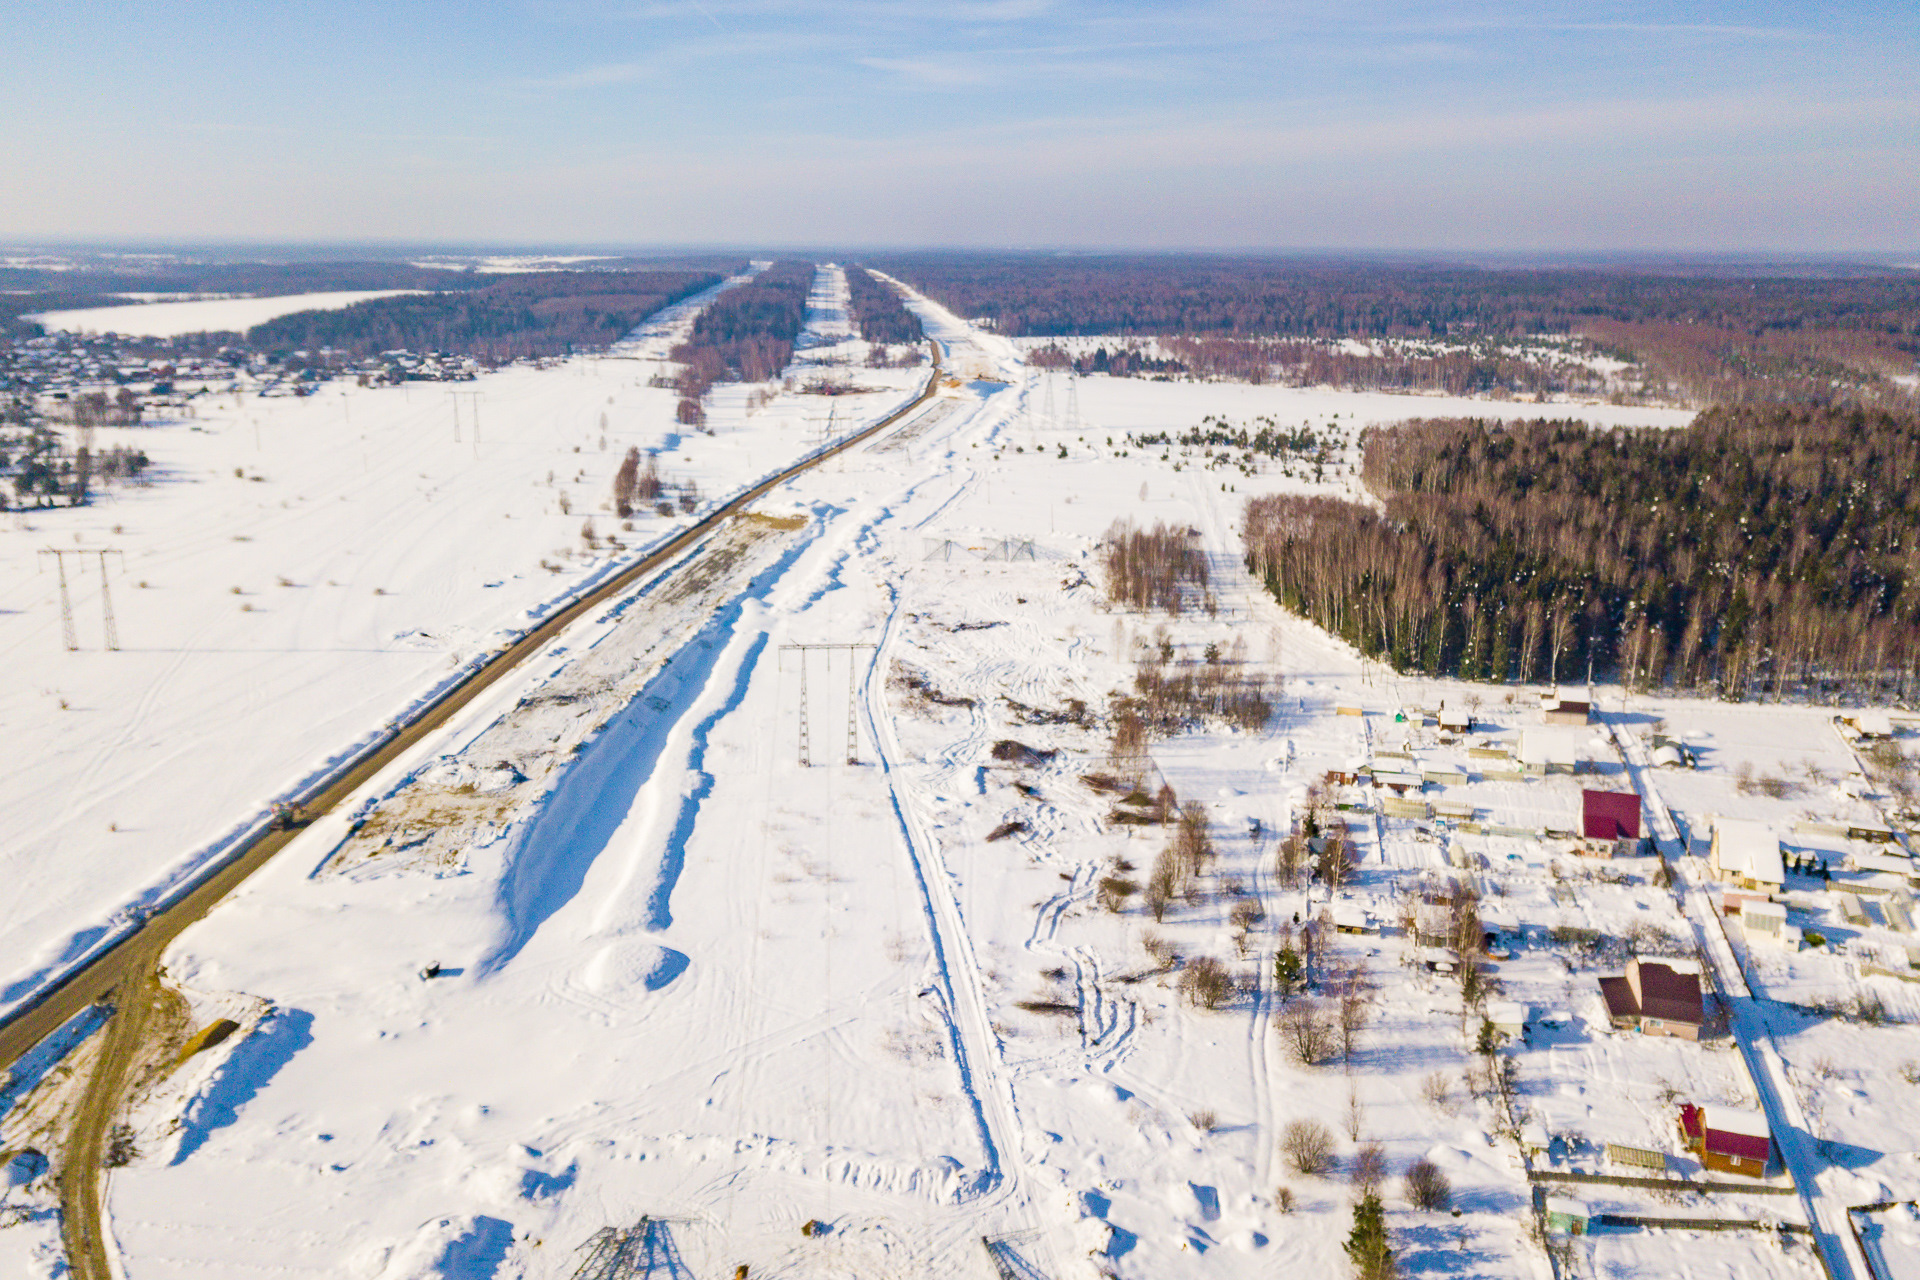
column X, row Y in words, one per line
column 1747, row 853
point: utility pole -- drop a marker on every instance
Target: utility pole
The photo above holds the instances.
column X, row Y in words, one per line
column 68, row 634
column 66, row 602
column 474, row 398
column 106, row 599
column 853, row 722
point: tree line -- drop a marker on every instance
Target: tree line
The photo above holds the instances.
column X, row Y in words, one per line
column 545, row 313
column 746, row 335
column 878, row 312
column 1764, row 337
column 1760, row 551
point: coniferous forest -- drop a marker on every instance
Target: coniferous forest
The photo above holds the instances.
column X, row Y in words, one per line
column 1759, row 552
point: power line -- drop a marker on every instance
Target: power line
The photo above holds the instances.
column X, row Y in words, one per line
column 853, row 724
column 69, row 635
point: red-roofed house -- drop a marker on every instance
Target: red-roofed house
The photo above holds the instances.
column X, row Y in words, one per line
column 1727, row 1139
column 1657, row 999
column 1610, row 822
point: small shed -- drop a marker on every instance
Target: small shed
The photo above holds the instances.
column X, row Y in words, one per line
column 1455, row 720
column 1567, row 1215
column 1509, row 1018
column 1670, row 756
column 1349, row 917
column 1764, row 921
column 1567, row 711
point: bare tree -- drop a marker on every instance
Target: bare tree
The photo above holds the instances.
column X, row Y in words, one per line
column 1306, row 1033
column 1354, row 1009
column 1334, row 862
column 1308, row 1147
column 1245, row 915
column 1369, row 1167
column 1290, row 860
column 625, row 483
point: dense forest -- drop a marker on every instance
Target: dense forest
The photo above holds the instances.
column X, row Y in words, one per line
column 747, row 334
column 1479, row 367
column 1758, row 552
column 25, row 290
column 878, row 314
column 1708, row 339
column 541, row 313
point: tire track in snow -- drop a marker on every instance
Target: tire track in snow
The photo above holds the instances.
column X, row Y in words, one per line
column 975, row 1048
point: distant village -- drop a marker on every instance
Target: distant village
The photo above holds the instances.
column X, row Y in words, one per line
column 56, row 390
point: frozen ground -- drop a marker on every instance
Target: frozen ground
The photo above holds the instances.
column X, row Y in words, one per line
column 683, row 975
column 218, row 315
column 294, row 574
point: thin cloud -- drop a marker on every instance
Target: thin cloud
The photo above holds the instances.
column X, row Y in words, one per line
column 594, row 77
column 939, row 74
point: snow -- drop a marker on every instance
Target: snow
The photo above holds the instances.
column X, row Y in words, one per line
column 171, row 319
column 297, row 573
column 684, row 975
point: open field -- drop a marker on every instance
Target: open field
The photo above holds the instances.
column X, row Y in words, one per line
column 812, row 954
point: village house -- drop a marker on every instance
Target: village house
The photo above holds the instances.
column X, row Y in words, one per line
column 1552, row 749
column 1727, row 1139
column 1747, row 853
column 1610, row 823
column 1657, row 998
column 1557, row 710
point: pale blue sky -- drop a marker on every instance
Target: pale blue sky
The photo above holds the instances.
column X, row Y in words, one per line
column 1504, row 125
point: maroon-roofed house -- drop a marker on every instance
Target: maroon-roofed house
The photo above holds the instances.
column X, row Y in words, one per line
column 1656, row 999
column 1610, row 822
column 1727, row 1139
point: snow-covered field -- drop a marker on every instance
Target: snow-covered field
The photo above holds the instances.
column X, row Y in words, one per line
column 215, row 315
column 294, row 574
column 841, row 1018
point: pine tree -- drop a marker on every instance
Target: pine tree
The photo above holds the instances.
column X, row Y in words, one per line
column 1367, row 1242
column 1287, row 971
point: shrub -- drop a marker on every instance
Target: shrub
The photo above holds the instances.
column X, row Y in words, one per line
column 1114, row 892
column 1205, row 982
column 1308, row 1147
column 1427, row 1187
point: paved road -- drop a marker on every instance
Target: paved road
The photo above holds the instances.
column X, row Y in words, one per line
column 125, row 971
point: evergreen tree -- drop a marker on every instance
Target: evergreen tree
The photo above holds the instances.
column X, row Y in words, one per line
column 1367, row 1242
column 1288, row 971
